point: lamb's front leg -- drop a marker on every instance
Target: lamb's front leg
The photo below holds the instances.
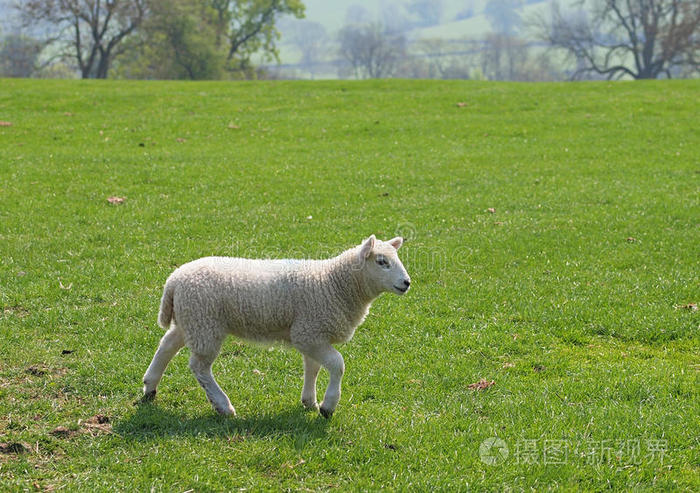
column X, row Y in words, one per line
column 308, row 393
column 332, row 361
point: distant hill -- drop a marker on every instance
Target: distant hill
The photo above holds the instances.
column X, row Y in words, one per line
column 333, row 15
column 475, row 26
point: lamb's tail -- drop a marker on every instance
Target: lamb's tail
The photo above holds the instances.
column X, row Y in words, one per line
column 166, row 305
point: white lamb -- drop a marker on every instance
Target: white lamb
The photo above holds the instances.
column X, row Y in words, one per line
column 310, row 304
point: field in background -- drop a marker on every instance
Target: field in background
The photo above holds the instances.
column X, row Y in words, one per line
column 552, row 242
column 461, row 39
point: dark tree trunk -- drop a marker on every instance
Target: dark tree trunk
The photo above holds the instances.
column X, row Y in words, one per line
column 103, row 65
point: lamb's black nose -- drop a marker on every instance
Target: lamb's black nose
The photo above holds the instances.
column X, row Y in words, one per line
column 406, row 282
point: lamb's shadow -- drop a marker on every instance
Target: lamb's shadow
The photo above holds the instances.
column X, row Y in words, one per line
column 150, row 421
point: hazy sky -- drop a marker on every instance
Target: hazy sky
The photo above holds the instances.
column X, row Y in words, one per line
column 331, row 13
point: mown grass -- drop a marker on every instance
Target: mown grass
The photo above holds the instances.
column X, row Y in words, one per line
column 570, row 294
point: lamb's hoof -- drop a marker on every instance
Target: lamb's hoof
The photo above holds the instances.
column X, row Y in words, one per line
column 230, row 411
column 326, row 413
column 310, row 406
column 148, row 396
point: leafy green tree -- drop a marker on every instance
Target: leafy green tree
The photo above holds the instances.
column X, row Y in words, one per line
column 247, row 27
column 176, row 41
column 205, row 39
column 193, row 54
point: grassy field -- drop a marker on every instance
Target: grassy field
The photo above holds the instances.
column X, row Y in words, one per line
column 553, row 244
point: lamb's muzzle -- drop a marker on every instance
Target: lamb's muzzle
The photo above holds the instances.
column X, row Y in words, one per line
column 310, row 304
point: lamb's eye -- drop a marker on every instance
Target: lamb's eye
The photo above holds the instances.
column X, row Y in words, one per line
column 382, row 261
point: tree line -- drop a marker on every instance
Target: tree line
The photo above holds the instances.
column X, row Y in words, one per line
column 164, row 39
column 609, row 39
column 217, row 39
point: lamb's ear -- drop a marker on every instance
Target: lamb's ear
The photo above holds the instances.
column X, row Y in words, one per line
column 366, row 247
column 396, row 242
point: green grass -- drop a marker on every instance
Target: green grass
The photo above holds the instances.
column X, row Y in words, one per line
column 569, row 296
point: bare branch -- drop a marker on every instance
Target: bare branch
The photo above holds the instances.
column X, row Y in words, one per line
column 635, row 38
column 96, row 28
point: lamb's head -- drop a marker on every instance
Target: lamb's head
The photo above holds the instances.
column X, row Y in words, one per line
column 381, row 266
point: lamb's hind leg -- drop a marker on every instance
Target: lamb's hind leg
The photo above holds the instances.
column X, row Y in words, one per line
column 200, row 364
column 170, row 344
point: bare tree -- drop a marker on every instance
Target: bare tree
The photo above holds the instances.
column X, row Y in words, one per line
column 370, row 51
column 18, row 56
column 503, row 57
column 449, row 59
column 642, row 39
column 310, row 38
column 89, row 31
